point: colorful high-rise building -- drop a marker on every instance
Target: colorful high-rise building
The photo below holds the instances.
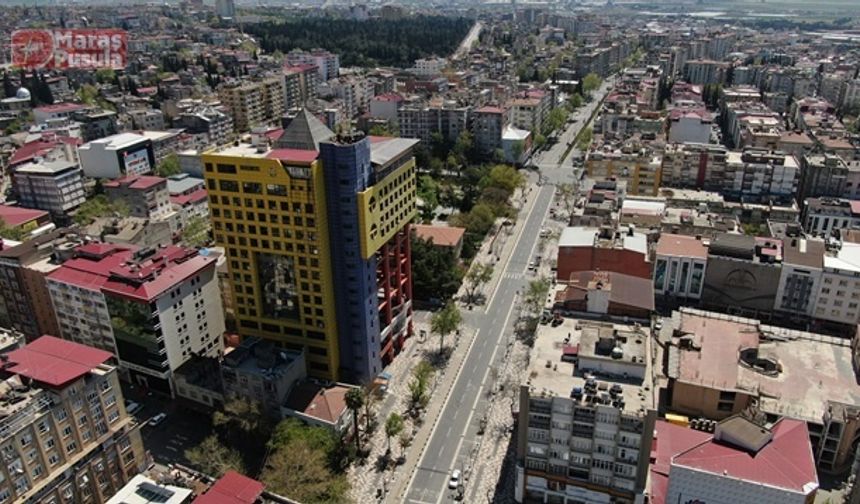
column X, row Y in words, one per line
column 316, row 232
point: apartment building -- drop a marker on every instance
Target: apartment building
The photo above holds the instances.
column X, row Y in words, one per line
column 782, row 373
column 759, row 176
column 692, row 165
column 838, row 298
column 254, row 103
column 188, row 197
column 147, row 119
column 584, row 435
column 822, row 216
column 327, row 64
column 734, row 464
column 145, row 196
column 25, row 303
column 641, row 170
column 209, row 121
column 151, row 308
column 800, row 276
column 680, row 265
column 301, row 82
column 55, row 186
column 421, row 121
column 96, row 123
column 488, row 126
column 824, row 175
column 314, row 208
column 65, row 435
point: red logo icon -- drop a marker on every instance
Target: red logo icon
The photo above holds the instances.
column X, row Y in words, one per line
column 59, row 48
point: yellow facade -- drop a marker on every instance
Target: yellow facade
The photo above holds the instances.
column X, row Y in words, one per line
column 641, row 174
column 271, row 219
column 384, row 208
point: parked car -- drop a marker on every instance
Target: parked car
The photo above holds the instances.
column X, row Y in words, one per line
column 132, row 407
column 454, row 482
column 157, row 420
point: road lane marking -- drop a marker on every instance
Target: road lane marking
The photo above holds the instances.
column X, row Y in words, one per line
column 478, row 396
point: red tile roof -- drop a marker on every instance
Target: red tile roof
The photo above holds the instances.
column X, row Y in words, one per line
column 40, row 147
column 681, row 246
column 785, row 462
column 14, row 216
column 490, row 110
column 294, row 155
column 669, row 439
column 54, row 361
column 60, row 107
column 442, row 236
column 113, row 269
column 192, row 197
column 141, row 182
column 388, row 97
column 232, row 488
column 324, row 403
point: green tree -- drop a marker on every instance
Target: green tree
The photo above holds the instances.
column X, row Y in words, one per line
column 99, row 206
column 393, row 427
column 12, row 232
column 555, row 120
column 575, row 101
column 88, row 94
column 241, row 419
column 105, row 75
column 404, row 441
column 590, row 83
column 435, row 272
column 169, row 166
column 354, row 401
column 300, row 470
column 535, row 295
column 539, row 140
column 478, row 275
column 196, row 232
column 428, row 191
column 446, row 321
column 381, row 130
column 505, row 177
column 214, row 459
column 583, row 140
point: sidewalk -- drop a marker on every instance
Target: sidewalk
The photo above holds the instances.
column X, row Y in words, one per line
column 404, row 473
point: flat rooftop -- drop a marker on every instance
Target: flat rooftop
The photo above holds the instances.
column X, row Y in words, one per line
column 809, row 370
column 549, row 374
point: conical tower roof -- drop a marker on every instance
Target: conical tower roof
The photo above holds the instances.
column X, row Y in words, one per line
column 304, row 132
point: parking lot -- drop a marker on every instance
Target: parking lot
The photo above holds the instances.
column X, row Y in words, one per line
column 181, row 429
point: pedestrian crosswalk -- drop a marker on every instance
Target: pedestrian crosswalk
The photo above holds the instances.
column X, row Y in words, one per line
column 512, row 275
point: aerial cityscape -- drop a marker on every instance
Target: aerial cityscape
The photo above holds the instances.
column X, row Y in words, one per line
column 341, row 252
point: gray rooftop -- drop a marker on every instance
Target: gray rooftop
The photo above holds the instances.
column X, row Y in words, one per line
column 551, row 376
column 182, row 182
column 304, row 132
column 381, row 153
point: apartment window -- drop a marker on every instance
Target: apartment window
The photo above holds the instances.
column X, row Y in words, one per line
column 113, row 416
column 71, row 447
column 53, row 459
column 37, row 471
column 26, row 439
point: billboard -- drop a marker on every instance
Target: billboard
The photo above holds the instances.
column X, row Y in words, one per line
column 136, row 162
column 60, row 48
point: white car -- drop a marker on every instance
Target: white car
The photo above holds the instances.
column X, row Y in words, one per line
column 454, row 482
column 157, row 419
